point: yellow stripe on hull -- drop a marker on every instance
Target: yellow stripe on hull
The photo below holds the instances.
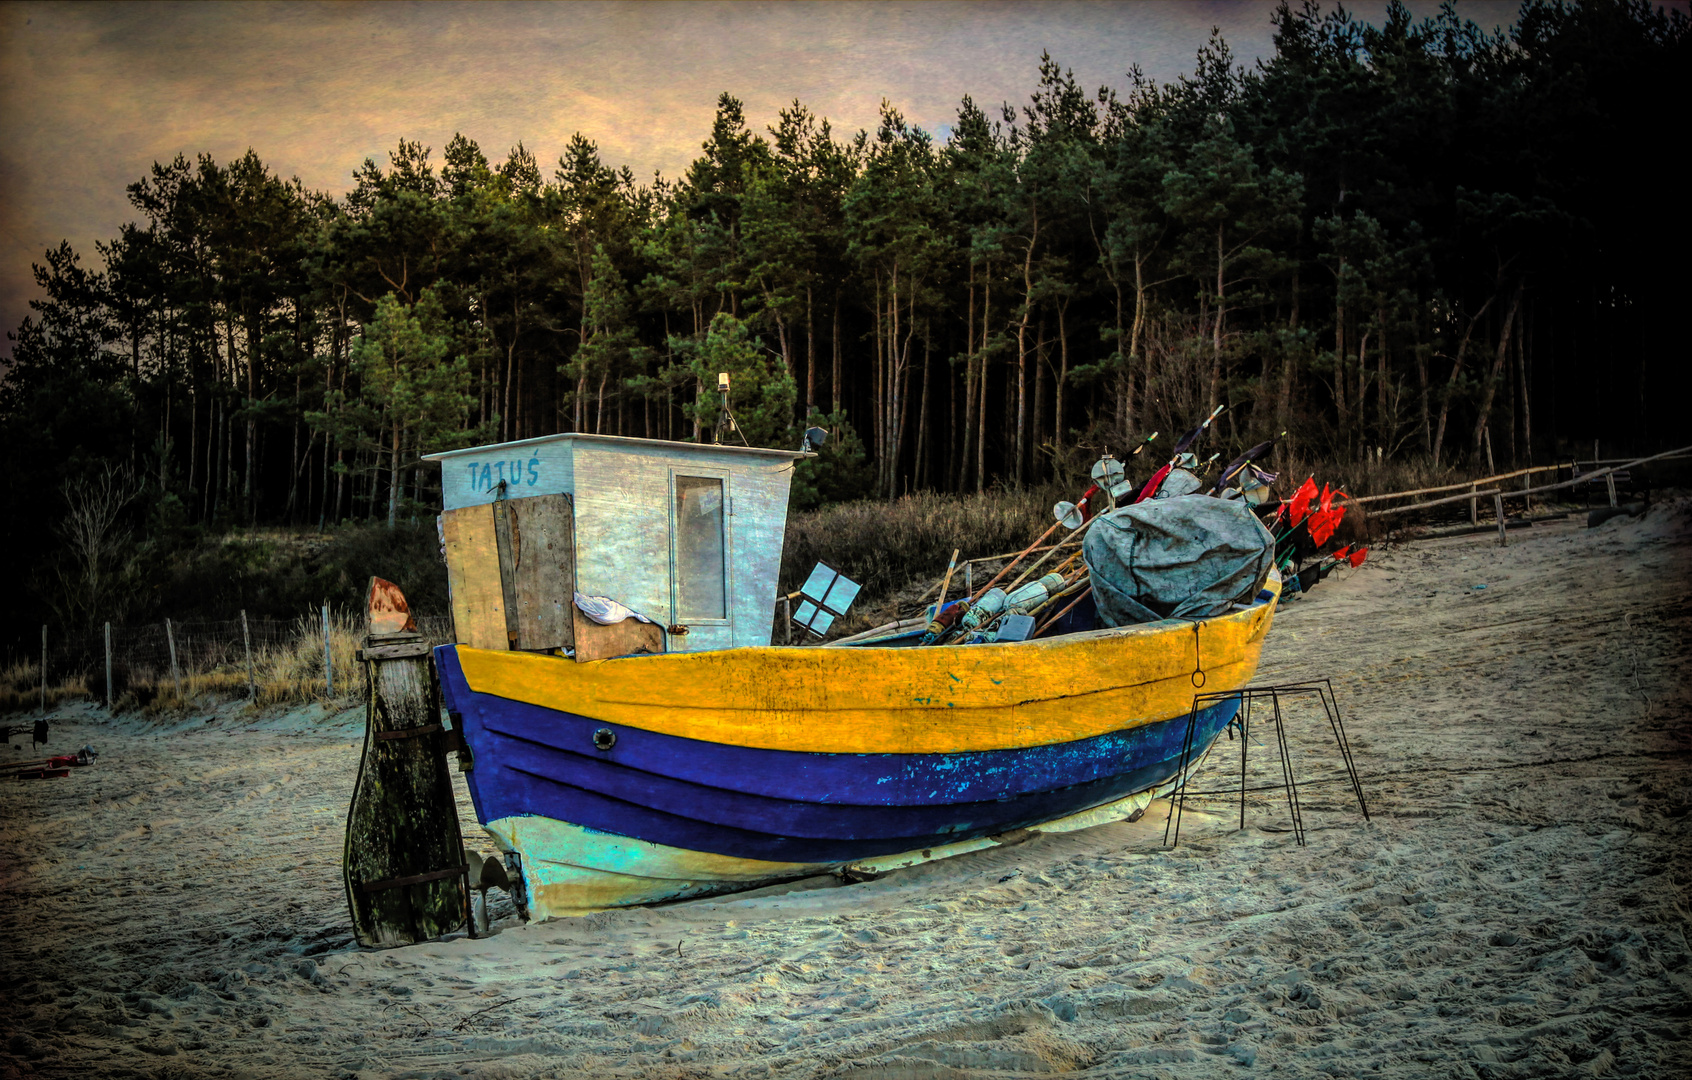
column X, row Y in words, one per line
column 869, row 700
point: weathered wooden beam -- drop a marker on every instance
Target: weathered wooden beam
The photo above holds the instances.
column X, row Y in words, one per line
column 1459, row 485
column 403, row 860
column 1433, row 502
column 394, row 652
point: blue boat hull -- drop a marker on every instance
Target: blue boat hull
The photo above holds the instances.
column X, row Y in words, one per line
column 785, row 806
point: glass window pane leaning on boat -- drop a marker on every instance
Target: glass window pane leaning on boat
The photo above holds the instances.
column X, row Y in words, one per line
column 718, row 762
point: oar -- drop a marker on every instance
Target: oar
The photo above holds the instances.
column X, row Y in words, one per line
column 940, row 622
column 1056, row 525
column 1073, row 533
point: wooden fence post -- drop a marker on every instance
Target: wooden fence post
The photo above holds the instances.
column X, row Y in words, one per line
column 403, row 859
column 247, row 643
column 108, row 667
column 175, row 671
column 328, row 660
column 1498, row 508
column 43, row 668
column 1610, row 482
column 1474, row 508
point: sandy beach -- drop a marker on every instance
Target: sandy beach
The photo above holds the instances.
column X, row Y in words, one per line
column 1517, row 906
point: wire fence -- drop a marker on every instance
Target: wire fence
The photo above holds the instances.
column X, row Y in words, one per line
column 112, row 660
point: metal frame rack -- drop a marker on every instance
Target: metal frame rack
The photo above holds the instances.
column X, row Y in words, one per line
column 1265, row 699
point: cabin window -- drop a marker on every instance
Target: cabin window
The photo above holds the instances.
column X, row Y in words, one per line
column 701, row 554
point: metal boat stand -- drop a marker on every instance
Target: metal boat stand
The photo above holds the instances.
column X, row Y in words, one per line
column 1266, row 700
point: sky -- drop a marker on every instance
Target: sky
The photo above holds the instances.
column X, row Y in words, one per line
column 92, row 94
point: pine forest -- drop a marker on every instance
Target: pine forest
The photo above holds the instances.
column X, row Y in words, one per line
column 1417, row 241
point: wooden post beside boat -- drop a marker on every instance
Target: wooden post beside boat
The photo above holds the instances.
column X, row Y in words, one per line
column 403, row 861
column 247, row 645
column 170, row 638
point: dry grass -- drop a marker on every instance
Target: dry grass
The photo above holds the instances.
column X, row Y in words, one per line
column 899, row 548
column 292, row 674
column 20, row 688
column 285, row 675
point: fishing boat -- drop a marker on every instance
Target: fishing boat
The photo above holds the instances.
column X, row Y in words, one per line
column 631, row 735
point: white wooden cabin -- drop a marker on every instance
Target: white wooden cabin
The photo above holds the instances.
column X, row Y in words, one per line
column 686, row 534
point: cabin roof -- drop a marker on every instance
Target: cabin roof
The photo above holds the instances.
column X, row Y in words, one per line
column 613, row 441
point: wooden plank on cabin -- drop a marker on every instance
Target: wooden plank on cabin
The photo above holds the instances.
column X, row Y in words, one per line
column 478, row 601
column 543, row 536
column 506, row 543
column 626, row 638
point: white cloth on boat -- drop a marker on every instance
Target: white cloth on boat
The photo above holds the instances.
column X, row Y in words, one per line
column 1179, row 482
column 1187, row 557
column 606, row 611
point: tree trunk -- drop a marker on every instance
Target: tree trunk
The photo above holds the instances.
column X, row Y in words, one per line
column 969, row 386
column 1216, row 327
column 1500, row 357
column 394, row 476
column 1340, row 363
column 922, row 448
column 1022, row 348
column 1037, row 418
column 1063, row 375
column 810, row 355
column 1451, row 383
column 834, row 375
column 1289, row 364
column 599, row 411
column 1136, row 335
column 193, row 438
column 1525, row 371
column 247, row 497
column 981, row 412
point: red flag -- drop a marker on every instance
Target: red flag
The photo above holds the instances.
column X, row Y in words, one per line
column 1154, row 483
column 1301, row 500
column 1358, row 556
column 1319, row 528
column 1323, row 523
column 1326, row 502
column 1341, row 553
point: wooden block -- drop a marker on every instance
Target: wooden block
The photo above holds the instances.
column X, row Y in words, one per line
column 629, row 637
column 543, row 535
column 478, row 601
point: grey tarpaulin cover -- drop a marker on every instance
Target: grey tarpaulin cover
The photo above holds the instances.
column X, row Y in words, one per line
column 1189, row 557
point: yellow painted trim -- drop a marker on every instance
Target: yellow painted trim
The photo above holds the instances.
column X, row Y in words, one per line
column 896, row 701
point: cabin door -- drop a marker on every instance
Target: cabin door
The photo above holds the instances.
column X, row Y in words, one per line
column 702, row 559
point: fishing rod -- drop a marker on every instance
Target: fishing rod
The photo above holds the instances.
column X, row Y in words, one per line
column 1084, row 507
column 1155, row 484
